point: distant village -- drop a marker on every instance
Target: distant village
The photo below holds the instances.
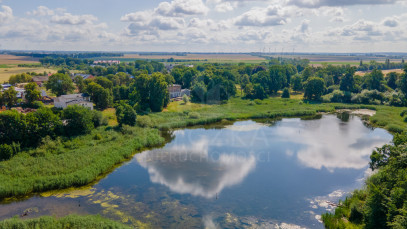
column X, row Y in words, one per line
column 82, row 99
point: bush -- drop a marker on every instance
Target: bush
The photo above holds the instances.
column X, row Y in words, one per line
column 144, row 121
column 194, row 115
column 97, row 137
column 126, row 129
column 79, row 120
column 395, row 128
column 258, row 101
column 126, row 115
column 286, row 93
column 185, row 98
column 98, row 119
column 6, row 152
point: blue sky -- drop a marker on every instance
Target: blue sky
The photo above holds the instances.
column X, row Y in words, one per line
column 205, row 25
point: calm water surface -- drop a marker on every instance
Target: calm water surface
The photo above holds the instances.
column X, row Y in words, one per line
column 247, row 174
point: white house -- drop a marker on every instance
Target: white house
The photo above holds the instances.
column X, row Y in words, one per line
column 74, row 99
column 20, row 92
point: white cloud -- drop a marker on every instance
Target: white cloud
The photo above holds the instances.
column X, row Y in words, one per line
column 225, row 7
column 391, row 22
column 181, row 7
column 271, row 16
column 320, row 3
column 69, row 19
column 41, row 11
column 6, row 14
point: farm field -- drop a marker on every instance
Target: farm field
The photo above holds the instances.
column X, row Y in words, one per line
column 14, row 60
column 385, row 72
column 194, row 58
column 5, row 73
column 9, row 66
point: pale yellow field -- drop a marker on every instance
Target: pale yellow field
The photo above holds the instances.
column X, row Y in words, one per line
column 385, row 72
column 10, row 59
column 5, row 73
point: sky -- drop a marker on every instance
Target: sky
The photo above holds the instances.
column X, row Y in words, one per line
column 343, row 26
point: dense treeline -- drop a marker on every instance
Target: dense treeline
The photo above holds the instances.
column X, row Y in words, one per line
column 383, row 201
column 381, row 66
column 18, row 131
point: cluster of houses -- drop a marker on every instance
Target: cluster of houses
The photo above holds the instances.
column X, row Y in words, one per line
column 82, row 99
column 110, row 62
column 20, row 90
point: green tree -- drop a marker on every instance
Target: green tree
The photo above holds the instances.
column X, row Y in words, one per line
column 392, row 78
column 286, row 93
column 259, row 92
column 198, row 92
column 31, row 93
column 314, row 88
column 126, row 115
column 296, row 82
column 277, row 78
column 158, row 88
column 102, row 97
column 60, row 84
column 42, row 123
column 307, row 73
column 20, row 78
column 348, row 82
column 140, row 93
column 10, row 97
column 374, row 80
column 403, row 81
column 12, row 127
column 78, row 120
column 80, row 84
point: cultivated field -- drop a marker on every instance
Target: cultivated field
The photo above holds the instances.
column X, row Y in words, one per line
column 9, row 66
column 5, row 73
column 194, row 58
column 385, row 72
column 14, row 60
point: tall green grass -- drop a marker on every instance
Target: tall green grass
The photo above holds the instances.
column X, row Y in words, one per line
column 71, row 221
column 386, row 117
column 62, row 164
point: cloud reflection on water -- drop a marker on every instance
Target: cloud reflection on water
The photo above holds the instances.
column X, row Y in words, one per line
column 332, row 146
column 188, row 169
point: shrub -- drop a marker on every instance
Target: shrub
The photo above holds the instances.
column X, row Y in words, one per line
column 126, row 115
column 258, row 101
column 79, row 120
column 6, row 152
column 185, row 99
column 395, row 128
column 194, row 115
column 126, row 129
column 286, row 93
column 97, row 137
column 144, row 121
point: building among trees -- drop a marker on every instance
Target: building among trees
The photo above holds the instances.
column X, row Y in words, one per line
column 74, row 99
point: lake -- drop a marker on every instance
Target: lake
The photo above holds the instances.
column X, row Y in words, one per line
column 282, row 173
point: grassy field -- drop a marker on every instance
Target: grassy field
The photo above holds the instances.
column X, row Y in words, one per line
column 320, row 63
column 178, row 114
column 9, row 66
column 59, row 164
column 5, row 73
column 71, row 221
